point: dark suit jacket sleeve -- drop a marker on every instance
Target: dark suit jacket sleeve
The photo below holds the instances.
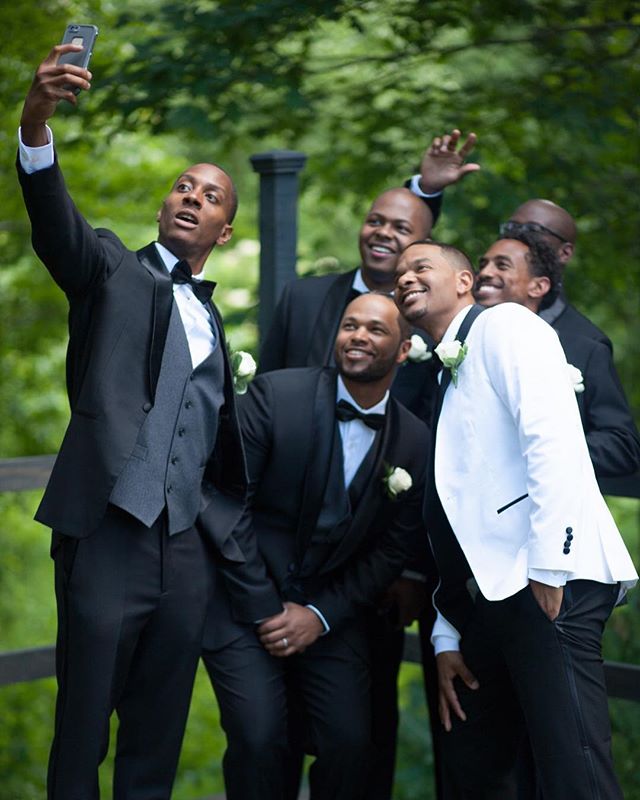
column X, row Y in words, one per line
column 434, row 203
column 370, row 574
column 251, row 578
column 612, row 436
column 273, row 352
column 73, row 252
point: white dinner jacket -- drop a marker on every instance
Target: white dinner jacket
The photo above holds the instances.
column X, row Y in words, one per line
column 512, row 467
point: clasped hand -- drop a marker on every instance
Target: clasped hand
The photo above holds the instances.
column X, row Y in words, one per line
column 292, row 631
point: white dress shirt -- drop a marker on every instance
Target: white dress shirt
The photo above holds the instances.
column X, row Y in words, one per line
column 357, row 437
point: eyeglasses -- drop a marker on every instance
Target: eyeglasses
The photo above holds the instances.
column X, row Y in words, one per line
column 532, row 227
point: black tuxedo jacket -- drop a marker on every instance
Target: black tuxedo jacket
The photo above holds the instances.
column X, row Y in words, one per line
column 288, row 422
column 567, row 320
column 612, row 436
column 119, row 308
column 304, row 329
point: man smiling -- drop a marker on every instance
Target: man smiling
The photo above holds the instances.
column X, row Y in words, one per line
column 530, row 561
column 336, row 470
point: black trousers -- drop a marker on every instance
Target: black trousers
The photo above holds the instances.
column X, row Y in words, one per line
column 538, row 679
column 330, row 681
column 131, row 607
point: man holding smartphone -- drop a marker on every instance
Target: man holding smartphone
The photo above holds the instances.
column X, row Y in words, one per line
column 150, row 478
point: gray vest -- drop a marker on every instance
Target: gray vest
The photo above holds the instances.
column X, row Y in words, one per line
column 177, row 437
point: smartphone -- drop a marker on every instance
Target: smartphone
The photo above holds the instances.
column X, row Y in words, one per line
column 79, row 34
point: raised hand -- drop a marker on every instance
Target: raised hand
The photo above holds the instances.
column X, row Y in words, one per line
column 290, row 632
column 52, row 83
column 443, row 163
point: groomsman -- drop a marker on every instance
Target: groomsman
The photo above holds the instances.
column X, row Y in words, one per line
column 530, row 560
column 336, row 468
column 150, row 476
column 522, row 268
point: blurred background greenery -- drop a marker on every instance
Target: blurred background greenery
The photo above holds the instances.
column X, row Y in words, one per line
column 551, row 89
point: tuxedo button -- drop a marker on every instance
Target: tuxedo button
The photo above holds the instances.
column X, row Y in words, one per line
column 566, row 551
column 147, row 407
column 569, row 537
column 181, row 431
column 569, row 530
column 567, row 543
column 169, row 489
column 188, row 404
column 174, row 460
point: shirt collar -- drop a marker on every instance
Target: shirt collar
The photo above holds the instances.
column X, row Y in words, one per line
column 169, row 260
column 342, row 393
column 358, row 284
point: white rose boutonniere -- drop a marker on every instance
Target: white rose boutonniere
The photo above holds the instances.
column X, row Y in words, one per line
column 576, row 378
column 244, row 367
column 396, row 481
column 419, row 351
column 452, row 354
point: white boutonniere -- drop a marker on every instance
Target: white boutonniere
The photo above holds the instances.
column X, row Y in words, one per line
column 243, row 367
column 419, row 351
column 396, row 481
column 452, row 354
column 576, row 378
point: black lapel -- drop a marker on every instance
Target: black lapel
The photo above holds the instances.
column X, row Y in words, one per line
column 373, row 495
column 162, row 302
column 319, row 460
column 461, row 335
column 324, row 333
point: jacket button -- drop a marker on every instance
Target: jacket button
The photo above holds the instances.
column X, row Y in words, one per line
column 147, row 407
column 169, row 489
column 174, row 459
column 567, row 543
column 566, row 551
column 181, row 431
column 188, row 404
column 569, row 537
column 569, row 530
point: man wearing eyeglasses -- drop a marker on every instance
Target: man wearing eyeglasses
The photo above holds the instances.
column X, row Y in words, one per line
column 556, row 227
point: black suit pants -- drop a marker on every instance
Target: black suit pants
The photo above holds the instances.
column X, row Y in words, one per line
column 330, row 681
column 131, row 606
column 540, row 679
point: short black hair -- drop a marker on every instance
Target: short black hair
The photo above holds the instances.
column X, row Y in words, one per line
column 456, row 257
column 541, row 260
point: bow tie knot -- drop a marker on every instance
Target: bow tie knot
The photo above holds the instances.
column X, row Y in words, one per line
column 203, row 290
column 345, row 412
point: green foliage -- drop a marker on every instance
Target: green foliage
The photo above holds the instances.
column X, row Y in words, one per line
column 551, row 89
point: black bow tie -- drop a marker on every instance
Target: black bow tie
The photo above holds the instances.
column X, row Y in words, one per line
column 203, row 290
column 345, row 412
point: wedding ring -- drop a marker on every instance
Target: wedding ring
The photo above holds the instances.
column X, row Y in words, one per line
column 285, row 642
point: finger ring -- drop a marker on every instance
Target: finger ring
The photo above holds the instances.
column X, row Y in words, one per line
column 285, row 642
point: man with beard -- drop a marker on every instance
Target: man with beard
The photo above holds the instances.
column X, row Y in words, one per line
column 530, row 560
column 336, row 468
column 302, row 334
column 524, row 269
column 150, row 476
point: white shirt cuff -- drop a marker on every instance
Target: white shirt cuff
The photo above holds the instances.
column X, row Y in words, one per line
column 442, row 644
column 415, row 188
column 320, row 616
column 550, row 577
column 33, row 159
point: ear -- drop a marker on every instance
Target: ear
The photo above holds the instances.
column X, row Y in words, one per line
column 565, row 253
column 403, row 351
column 225, row 235
column 538, row 287
column 158, row 212
column 464, row 281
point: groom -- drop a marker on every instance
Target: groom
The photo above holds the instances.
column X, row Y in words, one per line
column 530, row 560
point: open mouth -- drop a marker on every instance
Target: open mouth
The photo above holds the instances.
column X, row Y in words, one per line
column 381, row 250
column 187, row 217
column 409, row 296
column 357, row 353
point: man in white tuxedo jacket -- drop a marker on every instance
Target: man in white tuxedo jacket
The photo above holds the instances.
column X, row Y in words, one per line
column 530, row 559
